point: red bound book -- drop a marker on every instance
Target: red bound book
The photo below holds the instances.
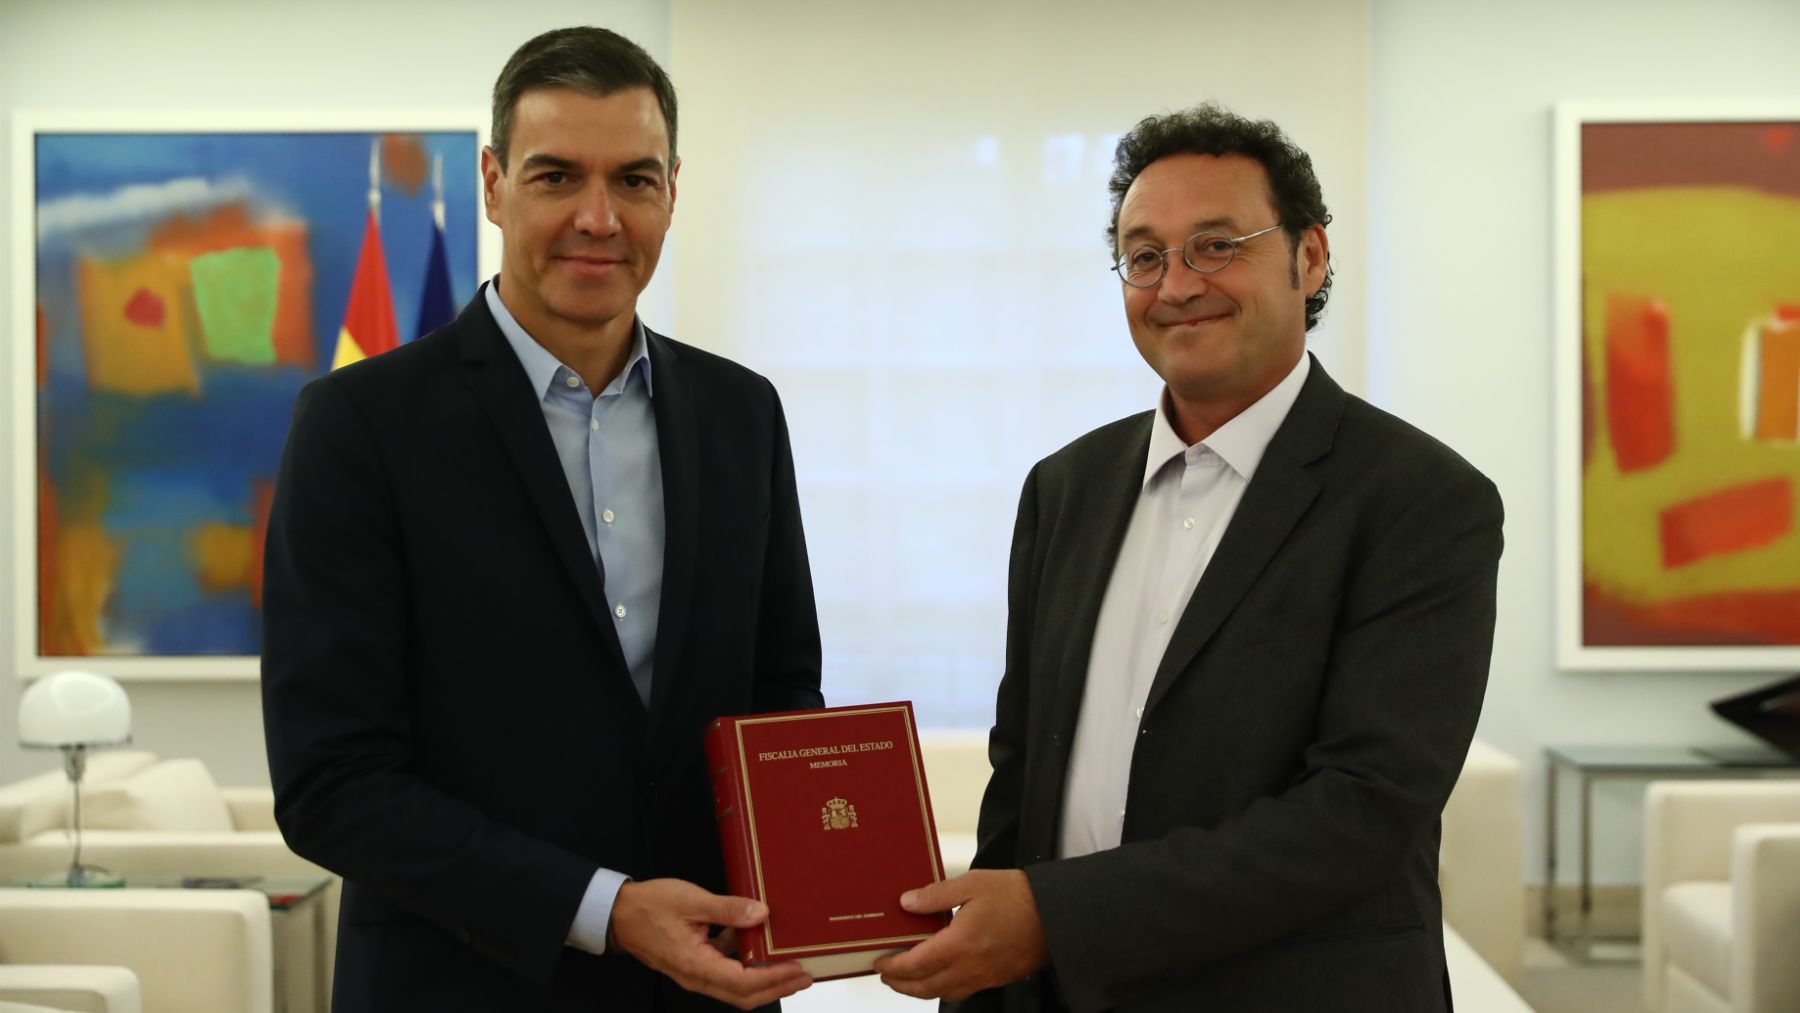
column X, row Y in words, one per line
column 824, row 817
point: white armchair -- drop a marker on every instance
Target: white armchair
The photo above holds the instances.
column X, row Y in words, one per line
column 956, row 775
column 1481, row 859
column 72, row 988
column 1721, row 910
column 189, row 950
column 132, row 802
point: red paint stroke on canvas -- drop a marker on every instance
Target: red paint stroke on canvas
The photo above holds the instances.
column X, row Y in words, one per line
column 1640, row 394
column 1734, row 618
column 262, row 498
column 145, row 309
column 1730, row 520
column 404, row 162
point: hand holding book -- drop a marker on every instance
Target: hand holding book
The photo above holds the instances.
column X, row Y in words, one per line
column 996, row 937
column 667, row 923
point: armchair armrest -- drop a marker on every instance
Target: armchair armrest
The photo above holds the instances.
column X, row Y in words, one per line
column 1481, row 859
column 1688, row 833
column 198, row 950
column 1765, row 912
column 89, row 988
column 250, row 808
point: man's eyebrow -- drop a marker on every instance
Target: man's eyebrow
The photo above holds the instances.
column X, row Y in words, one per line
column 647, row 164
column 1225, row 222
column 542, row 161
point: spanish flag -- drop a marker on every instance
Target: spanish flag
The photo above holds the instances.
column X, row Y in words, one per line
column 369, row 318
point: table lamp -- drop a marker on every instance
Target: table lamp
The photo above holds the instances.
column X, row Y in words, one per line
column 76, row 712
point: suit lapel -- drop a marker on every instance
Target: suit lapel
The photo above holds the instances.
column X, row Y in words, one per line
column 500, row 385
column 1278, row 495
column 678, row 449
column 1105, row 508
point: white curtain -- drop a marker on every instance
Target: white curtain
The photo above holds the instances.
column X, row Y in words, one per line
column 896, row 213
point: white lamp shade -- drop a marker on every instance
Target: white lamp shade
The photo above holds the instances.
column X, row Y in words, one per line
column 74, row 709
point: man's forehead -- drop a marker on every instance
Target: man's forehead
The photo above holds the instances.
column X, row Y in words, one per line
column 1196, row 193
column 558, row 117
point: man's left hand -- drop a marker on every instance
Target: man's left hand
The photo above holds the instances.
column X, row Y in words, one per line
column 995, row 938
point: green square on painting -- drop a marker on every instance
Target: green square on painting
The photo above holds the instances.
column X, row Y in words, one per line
column 235, row 298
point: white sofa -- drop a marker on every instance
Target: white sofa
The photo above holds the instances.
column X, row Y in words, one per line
column 1721, row 911
column 188, row 950
column 132, row 788
column 1481, row 862
column 70, row 988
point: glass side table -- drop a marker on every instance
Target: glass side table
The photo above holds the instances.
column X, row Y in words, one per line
column 1592, row 764
column 296, row 926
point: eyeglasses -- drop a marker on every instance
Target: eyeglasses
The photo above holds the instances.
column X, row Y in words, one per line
column 1205, row 252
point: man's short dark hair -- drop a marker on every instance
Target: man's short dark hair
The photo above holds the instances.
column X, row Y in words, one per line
column 593, row 61
column 1210, row 129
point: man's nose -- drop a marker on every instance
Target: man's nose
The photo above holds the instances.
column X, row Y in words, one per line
column 1181, row 282
column 596, row 215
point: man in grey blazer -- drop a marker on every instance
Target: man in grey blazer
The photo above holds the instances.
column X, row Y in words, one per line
column 1247, row 644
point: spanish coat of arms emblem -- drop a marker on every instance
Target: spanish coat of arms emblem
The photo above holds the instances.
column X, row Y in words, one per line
column 837, row 814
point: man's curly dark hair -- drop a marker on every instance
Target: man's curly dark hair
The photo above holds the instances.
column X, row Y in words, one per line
column 1210, row 129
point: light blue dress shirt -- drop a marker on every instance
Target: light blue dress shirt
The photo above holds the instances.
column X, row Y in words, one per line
column 608, row 449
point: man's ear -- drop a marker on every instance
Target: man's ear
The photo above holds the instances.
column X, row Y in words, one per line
column 491, row 175
column 1315, row 258
column 674, row 170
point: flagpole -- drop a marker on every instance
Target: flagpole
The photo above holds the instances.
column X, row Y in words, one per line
column 437, row 190
column 375, row 178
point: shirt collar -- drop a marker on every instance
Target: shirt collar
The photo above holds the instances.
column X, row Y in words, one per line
column 1241, row 441
column 541, row 367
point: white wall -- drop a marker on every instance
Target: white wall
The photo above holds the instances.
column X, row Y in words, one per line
column 223, row 54
column 1460, row 310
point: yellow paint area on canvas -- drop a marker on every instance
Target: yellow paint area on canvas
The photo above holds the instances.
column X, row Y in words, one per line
column 222, row 555
column 86, row 560
column 134, row 324
column 1718, row 258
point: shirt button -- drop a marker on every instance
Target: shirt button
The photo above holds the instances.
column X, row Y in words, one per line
column 1162, row 617
column 619, row 610
column 1188, row 523
column 573, row 381
column 607, row 516
column 593, row 424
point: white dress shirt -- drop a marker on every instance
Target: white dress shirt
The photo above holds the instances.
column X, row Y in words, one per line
column 1186, row 502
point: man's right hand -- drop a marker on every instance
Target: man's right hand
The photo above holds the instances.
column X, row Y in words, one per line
column 667, row 924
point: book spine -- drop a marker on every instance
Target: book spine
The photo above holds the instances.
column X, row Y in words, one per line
column 734, row 826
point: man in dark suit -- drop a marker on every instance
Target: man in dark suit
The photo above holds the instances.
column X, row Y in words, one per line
column 513, row 569
column 1248, row 640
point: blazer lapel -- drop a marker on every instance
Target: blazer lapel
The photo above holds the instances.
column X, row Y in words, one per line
column 1274, row 502
column 678, row 449
column 500, row 384
column 1105, row 508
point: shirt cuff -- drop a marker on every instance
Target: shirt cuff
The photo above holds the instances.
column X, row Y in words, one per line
column 594, row 916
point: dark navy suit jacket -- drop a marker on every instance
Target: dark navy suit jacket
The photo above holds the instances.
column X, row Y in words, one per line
column 450, row 722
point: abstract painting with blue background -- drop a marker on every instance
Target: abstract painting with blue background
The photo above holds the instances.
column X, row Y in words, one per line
column 188, row 285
